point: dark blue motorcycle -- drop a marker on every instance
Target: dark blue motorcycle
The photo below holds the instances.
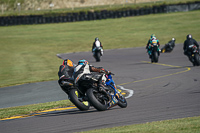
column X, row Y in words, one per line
column 106, row 98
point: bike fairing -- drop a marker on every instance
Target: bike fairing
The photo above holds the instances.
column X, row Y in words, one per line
column 111, row 83
column 83, row 69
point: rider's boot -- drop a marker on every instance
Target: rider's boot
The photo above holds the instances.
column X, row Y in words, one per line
column 192, row 60
column 93, row 54
column 149, row 52
column 150, row 55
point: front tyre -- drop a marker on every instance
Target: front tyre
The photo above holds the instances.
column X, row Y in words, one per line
column 74, row 99
column 196, row 59
column 122, row 102
column 163, row 50
column 97, row 99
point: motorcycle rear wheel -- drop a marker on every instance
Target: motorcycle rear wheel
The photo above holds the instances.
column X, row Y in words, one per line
column 154, row 57
column 96, row 100
column 74, row 99
column 98, row 57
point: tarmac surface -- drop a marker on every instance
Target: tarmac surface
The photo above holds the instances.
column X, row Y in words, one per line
column 169, row 89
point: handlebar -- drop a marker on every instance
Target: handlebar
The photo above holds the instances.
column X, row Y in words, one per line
column 110, row 73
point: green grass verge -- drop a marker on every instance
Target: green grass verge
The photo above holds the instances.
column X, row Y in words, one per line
column 184, row 125
column 28, row 52
column 34, row 108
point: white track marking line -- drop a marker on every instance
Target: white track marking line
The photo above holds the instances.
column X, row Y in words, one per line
column 131, row 92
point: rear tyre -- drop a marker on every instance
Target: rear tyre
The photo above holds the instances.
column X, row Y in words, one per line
column 96, row 99
column 98, row 57
column 155, row 56
column 74, row 99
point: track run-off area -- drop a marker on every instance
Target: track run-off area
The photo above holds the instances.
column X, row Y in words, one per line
column 169, row 89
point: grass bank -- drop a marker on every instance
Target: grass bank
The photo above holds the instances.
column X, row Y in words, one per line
column 185, row 125
column 28, row 52
column 34, row 108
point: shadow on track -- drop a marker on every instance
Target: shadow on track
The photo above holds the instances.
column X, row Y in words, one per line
column 139, row 63
column 71, row 112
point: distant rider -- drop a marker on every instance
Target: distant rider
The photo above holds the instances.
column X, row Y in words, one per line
column 169, row 46
column 97, row 43
column 83, row 68
column 148, row 46
column 189, row 41
column 65, row 73
column 171, row 43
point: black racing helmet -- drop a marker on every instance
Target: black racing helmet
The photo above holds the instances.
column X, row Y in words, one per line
column 153, row 35
column 173, row 39
column 96, row 39
column 189, row 36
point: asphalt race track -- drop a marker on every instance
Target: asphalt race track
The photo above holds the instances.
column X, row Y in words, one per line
column 168, row 89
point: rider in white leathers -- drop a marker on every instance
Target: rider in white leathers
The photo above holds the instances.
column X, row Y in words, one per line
column 96, row 44
column 83, row 68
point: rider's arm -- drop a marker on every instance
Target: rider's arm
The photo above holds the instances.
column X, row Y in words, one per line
column 93, row 46
column 158, row 43
column 101, row 45
column 147, row 44
column 98, row 69
column 184, row 46
column 195, row 42
column 60, row 70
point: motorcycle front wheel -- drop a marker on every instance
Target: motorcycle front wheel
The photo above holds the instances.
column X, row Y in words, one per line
column 97, row 99
column 163, row 50
column 81, row 105
column 122, row 102
column 196, row 59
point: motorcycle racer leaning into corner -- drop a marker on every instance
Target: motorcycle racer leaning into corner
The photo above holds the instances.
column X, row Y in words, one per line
column 172, row 43
column 83, row 68
column 97, row 43
column 65, row 74
column 148, row 46
column 189, row 41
